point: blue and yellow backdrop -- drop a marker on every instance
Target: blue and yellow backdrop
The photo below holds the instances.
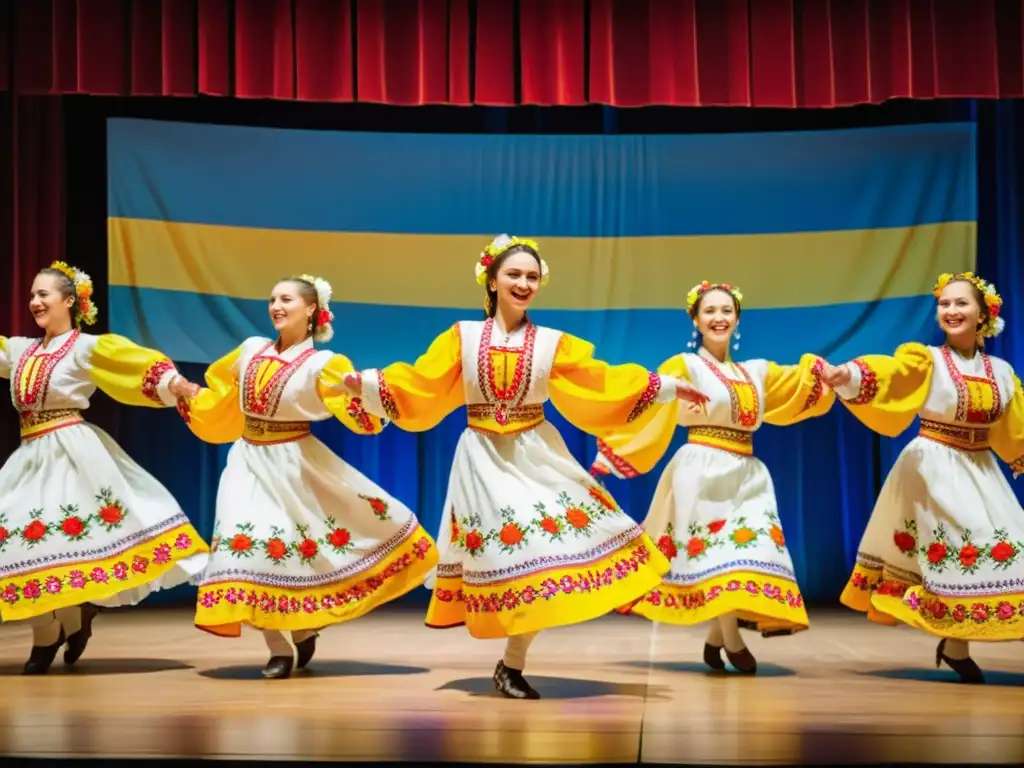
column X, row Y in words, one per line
column 835, row 238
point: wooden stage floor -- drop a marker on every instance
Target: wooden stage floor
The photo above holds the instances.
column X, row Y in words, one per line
column 385, row 688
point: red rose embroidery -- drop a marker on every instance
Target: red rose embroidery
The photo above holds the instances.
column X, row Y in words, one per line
column 34, row 531
column 339, row 537
column 72, row 526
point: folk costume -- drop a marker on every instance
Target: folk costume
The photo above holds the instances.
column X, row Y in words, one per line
column 714, row 514
column 528, row 540
column 302, row 540
column 942, row 550
column 81, row 524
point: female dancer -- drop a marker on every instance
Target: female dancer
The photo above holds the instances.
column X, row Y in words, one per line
column 528, row 541
column 942, row 550
column 714, row 513
column 81, row 524
column 301, row 540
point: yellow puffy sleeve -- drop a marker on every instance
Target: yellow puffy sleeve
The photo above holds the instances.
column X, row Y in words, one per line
column 349, row 410
column 215, row 415
column 793, row 393
column 5, row 359
column 1006, row 436
column 631, row 452
column 417, row 397
column 130, row 374
column 886, row 393
column 599, row 398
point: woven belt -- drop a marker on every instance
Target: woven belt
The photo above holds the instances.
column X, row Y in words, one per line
column 955, row 435
column 732, row 440
column 38, row 423
column 263, row 432
column 498, row 419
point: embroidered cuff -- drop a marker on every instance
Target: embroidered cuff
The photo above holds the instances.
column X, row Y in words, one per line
column 667, row 392
column 648, row 397
column 377, row 397
column 156, row 383
column 607, row 463
column 817, row 385
column 862, row 386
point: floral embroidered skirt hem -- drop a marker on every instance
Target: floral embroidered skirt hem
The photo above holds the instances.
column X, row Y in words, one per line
column 551, row 597
column 765, row 603
column 223, row 607
column 143, row 567
column 942, row 551
column 888, row 599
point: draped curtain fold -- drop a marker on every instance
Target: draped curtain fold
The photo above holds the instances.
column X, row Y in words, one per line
column 765, row 53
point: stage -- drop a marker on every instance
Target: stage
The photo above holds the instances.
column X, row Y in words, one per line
column 386, row 688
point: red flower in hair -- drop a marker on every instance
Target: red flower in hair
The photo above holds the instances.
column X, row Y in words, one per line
column 323, row 318
column 486, row 260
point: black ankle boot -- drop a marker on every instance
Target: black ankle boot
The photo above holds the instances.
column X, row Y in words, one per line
column 305, row 651
column 713, row 657
column 967, row 669
column 42, row 656
column 278, row 668
column 511, row 683
column 77, row 641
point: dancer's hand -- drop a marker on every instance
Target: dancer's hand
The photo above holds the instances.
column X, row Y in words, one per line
column 182, row 387
column 353, row 383
column 689, row 393
column 835, row 376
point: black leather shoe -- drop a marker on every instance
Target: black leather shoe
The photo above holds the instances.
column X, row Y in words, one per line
column 968, row 669
column 42, row 656
column 743, row 661
column 77, row 641
column 305, row 651
column 713, row 657
column 278, row 668
column 511, row 683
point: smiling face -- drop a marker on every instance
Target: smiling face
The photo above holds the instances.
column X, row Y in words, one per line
column 516, row 281
column 51, row 301
column 716, row 316
column 959, row 310
column 292, row 304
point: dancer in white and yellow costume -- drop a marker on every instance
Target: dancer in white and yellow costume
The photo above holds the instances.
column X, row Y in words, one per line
column 302, row 540
column 81, row 524
column 528, row 540
column 714, row 514
column 943, row 548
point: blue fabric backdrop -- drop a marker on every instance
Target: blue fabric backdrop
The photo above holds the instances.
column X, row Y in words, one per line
column 827, row 472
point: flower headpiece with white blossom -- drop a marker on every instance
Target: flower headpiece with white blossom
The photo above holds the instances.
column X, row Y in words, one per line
column 500, row 245
column 87, row 311
column 323, row 329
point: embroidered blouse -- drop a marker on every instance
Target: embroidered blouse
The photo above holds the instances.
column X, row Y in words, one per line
column 504, row 381
column 254, row 383
column 742, row 396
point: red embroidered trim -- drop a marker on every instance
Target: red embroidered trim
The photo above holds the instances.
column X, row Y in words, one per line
column 151, row 379
column 359, row 414
column 739, row 416
column 36, row 394
column 184, row 408
column 647, row 398
column 387, row 400
column 267, row 401
column 818, row 387
column 868, row 384
column 507, row 398
column 1017, row 466
column 963, row 396
column 622, row 466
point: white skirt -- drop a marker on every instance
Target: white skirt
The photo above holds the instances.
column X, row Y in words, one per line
column 81, row 522
column 529, row 540
column 943, row 548
column 715, row 516
column 303, row 540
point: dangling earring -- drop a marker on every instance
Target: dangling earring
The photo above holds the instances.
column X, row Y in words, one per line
column 736, row 338
column 692, row 343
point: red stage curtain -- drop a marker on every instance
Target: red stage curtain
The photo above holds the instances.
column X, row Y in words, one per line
column 766, row 53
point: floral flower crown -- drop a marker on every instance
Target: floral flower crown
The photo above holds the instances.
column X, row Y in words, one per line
column 704, row 286
column 87, row 310
column 994, row 324
column 498, row 246
column 323, row 330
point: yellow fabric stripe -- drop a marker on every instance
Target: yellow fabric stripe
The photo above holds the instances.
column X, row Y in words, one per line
column 774, row 271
